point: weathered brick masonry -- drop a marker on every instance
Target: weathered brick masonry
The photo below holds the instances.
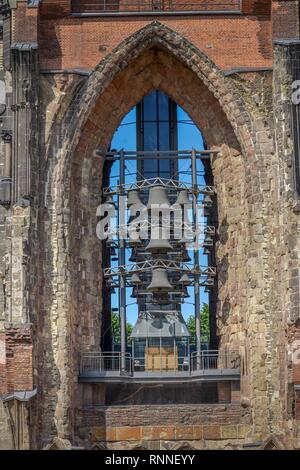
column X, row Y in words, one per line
column 203, row 426
column 80, row 76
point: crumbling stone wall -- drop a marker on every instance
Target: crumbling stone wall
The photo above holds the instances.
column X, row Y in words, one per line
column 6, row 438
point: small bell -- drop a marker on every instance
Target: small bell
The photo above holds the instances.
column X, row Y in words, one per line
column 185, row 280
column 135, row 280
column 183, row 197
column 207, row 201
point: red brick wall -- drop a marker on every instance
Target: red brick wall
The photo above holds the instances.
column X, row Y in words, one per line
column 18, row 367
column 185, row 422
column 285, row 17
column 55, row 8
column 67, row 42
column 232, row 41
column 147, row 415
column 256, row 7
column 26, row 23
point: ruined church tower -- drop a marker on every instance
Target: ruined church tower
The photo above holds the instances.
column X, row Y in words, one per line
column 70, row 71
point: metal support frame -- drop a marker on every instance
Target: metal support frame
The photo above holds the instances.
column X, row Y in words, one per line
column 196, row 255
column 149, row 183
column 164, row 154
column 145, row 224
column 119, row 277
column 122, row 281
column 171, row 265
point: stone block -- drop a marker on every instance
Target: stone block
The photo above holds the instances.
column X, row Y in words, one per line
column 128, row 434
column 198, row 432
column 229, row 432
column 184, row 432
column 158, row 432
column 111, row 434
column 211, row 432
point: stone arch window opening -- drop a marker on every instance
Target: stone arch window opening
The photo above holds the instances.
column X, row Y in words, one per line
column 136, row 127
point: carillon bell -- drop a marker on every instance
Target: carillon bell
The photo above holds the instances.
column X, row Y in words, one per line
column 207, row 190
column 208, row 282
column 183, row 294
column 183, row 197
column 185, row 257
column 134, row 293
column 134, row 242
column 135, row 280
column 109, row 200
column 157, row 195
column 160, row 282
column 207, row 201
column 134, row 236
column 136, row 257
column 185, row 280
column 159, row 240
column 133, row 198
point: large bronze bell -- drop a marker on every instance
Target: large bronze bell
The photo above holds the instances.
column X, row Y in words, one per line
column 160, row 282
column 159, row 241
column 157, row 195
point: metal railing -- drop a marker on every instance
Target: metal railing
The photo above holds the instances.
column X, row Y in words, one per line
column 208, row 360
column 113, row 362
column 154, row 6
column 116, row 363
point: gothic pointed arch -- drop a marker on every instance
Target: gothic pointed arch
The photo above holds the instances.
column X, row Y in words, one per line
column 272, row 443
column 155, row 37
column 155, row 57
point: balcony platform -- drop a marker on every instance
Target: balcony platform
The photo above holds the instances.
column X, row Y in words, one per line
column 172, row 378
column 106, row 368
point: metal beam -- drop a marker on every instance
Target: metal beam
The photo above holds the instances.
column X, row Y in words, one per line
column 122, row 284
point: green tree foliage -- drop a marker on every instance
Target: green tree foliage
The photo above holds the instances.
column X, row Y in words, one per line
column 116, row 331
column 204, row 324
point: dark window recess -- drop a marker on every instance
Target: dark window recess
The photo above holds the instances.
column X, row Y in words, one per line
column 162, row 394
column 157, row 130
column 290, row 55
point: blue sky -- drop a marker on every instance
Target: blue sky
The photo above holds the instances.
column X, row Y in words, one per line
column 125, row 138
